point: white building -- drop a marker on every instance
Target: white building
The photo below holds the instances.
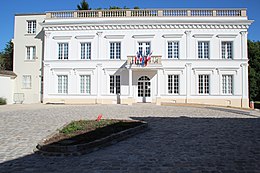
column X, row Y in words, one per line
column 198, row 56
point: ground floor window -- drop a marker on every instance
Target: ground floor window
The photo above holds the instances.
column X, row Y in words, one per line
column 85, row 84
column 203, row 84
column 27, row 81
column 227, row 83
column 173, row 84
column 62, row 84
column 115, row 84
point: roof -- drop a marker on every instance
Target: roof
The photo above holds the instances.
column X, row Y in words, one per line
column 7, row 73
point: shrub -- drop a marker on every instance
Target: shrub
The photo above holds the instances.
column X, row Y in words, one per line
column 257, row 105
column 2, row 101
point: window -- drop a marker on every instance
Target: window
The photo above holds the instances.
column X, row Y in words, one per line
column 203, row 84
column 31, row 26
column 115, row 50
column 27, row 81
column 227, row 84
column 63, row 50
column 85, row 84
column 144, row 48
column 203, row 50
column 115, row 84
column 30, row 52
column 85, row 50
column 173, row 49
column 227, row 52
column 173, row 84
column 62, row 84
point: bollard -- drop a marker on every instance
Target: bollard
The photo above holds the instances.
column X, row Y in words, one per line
column 252, row 105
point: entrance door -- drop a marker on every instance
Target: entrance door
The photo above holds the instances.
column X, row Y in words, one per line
column 144, row 89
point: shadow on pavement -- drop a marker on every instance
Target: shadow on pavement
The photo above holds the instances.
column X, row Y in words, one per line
column 171, row 145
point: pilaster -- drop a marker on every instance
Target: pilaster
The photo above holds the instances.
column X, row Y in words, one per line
column 188, row 35
column 188, row 81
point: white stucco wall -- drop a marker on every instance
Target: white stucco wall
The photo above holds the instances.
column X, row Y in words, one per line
column 7, row 88
column 28, row 67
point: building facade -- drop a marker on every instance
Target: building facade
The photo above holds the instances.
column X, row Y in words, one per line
column 132, row 56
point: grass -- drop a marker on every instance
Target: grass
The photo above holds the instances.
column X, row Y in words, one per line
column 85, row 125
column 2, row 101
column 84, row 131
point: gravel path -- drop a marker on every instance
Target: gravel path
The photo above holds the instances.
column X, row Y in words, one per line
column 181, row 139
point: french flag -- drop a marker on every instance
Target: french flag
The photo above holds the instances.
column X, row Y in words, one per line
column 148, row 58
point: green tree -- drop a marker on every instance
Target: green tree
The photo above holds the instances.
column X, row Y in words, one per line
column 114, row 7
column 254, row 70
column 136, row 7
column 6, row 57
column 83, row 5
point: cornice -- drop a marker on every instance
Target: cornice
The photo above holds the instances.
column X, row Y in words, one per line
column 143, row 26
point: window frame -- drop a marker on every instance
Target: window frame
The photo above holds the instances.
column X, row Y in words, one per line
column 31, row 26
column 114, row 86
column 144, row 41
column 25, row 83
column 173, row 50
column 87, row 52
column 173, row 86
column 114, row 55
column 61, row 52
column 205, row 88
column 64, row 86
column 32, row 53
column 85, row 89
column 227, row 84
column 203, row 50
column 226, row 53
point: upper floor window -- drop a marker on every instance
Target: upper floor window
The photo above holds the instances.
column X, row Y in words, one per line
column 203, row 50
column 27, row 81
column 227, row 52
column 30, row 52
column 203, row 84
column 173, row 49
column 85, row 84
column 144, row 48
column 85, row 50
column 227, row 84
column 63, row 51
column 115, row 84
column 173, row 84
column 31, row 26
column 115, row 50
column 62, row 84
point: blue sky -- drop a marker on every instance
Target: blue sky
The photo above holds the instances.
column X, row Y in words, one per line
column 9, row 8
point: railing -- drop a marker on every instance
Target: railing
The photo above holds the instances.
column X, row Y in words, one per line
column 148, row 13
column 154, row 60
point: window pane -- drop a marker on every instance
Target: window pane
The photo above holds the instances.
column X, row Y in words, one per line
column 170, row 84
column 203, row 84
column 118, row 85
column 26, row 81
column 112, row 50
column 227, row 84
column 62, row 84
column 203, row 50
column 176, row 84
column 112, row 84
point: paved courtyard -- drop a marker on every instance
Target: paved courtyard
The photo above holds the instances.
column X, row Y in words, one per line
column 181, row 139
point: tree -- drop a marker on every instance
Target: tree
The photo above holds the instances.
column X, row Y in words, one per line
column 136, row 7
column 6, row 57
column 254, row 70
column 114, row 7
column 83, row 5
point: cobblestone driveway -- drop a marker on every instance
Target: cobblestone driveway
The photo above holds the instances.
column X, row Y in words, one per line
column 180, row 139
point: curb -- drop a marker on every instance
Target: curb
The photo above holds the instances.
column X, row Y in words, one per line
column 80, row 149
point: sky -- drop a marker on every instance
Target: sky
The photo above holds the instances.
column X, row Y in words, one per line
column 9, row 8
